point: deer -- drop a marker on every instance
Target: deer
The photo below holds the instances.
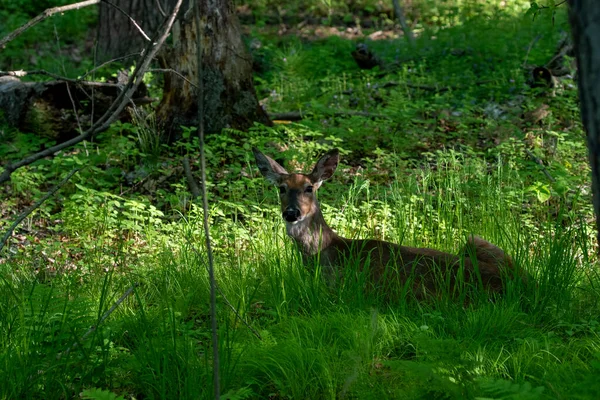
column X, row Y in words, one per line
column 479, row 262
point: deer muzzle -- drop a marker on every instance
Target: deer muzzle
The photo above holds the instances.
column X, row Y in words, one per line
column 291, row 214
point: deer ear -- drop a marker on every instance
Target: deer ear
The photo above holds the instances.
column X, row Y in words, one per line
column 268, row 167
column 325, row 167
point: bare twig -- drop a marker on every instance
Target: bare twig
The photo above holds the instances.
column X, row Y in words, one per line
column 160, row 9
column 564, row 47
column 101, row 320
column 93, row 102
column 359, row 114
column 402, row 20
column 172, row 71
column 110, row 62
column 555, row 5
column 138, row 27
column 298, row 116
column 46, row 14
column 75, row 113
column 418, row 86
column 540, row 163
column 80, row 81
column 209, row 253
column 190, row 178
column 37, row 204
column 116, row 107
column 22, row 73
column 431, row 88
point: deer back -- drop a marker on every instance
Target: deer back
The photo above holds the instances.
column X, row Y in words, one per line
column 424, row 269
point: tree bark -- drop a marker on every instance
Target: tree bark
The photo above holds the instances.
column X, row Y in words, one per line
column 118, row 34
column 55, row 109
column 402, row 21
column 585, row 22
column 229, row 96
column 124, row 97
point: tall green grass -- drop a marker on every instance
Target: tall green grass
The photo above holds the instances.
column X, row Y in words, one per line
column 317, row 340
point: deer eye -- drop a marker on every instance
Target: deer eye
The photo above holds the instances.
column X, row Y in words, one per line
column 282, row 189
column 309, row 189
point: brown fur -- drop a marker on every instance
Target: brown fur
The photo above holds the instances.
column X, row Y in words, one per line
column 386, row 264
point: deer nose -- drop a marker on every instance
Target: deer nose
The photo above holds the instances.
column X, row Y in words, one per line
column 291, row 214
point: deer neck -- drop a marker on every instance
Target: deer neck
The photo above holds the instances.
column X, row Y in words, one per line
column 312, row 234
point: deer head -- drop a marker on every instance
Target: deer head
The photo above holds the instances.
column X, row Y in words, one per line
column 297, row 192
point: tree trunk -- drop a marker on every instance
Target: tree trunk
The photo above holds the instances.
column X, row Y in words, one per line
column 585, row 23
column 402, row 21
column 117, row 33
column 229, row 96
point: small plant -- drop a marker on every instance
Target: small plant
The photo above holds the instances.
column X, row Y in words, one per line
column 147, row 131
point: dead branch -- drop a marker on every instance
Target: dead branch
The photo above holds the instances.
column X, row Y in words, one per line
column 172, row 71
column 190, row 178
column 79, row 126
column 288, row 116
column 555, row 5
column 57, row 77
column 429, row 88
column 35, row 206
column 209, row 252
column 540, row 163
column 116, row 107
column 133, row 21
column 46, row 14
column 21, row 73
column 51, row 107
column 91, row 71
column 159, row 7
column 298, row 116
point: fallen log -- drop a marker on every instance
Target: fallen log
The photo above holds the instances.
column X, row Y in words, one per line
column 58, row 109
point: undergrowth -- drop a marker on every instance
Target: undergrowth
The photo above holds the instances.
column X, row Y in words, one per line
column 427, row 169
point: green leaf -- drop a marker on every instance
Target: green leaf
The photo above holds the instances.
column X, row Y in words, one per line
column 542, row 191
column 533, row 9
